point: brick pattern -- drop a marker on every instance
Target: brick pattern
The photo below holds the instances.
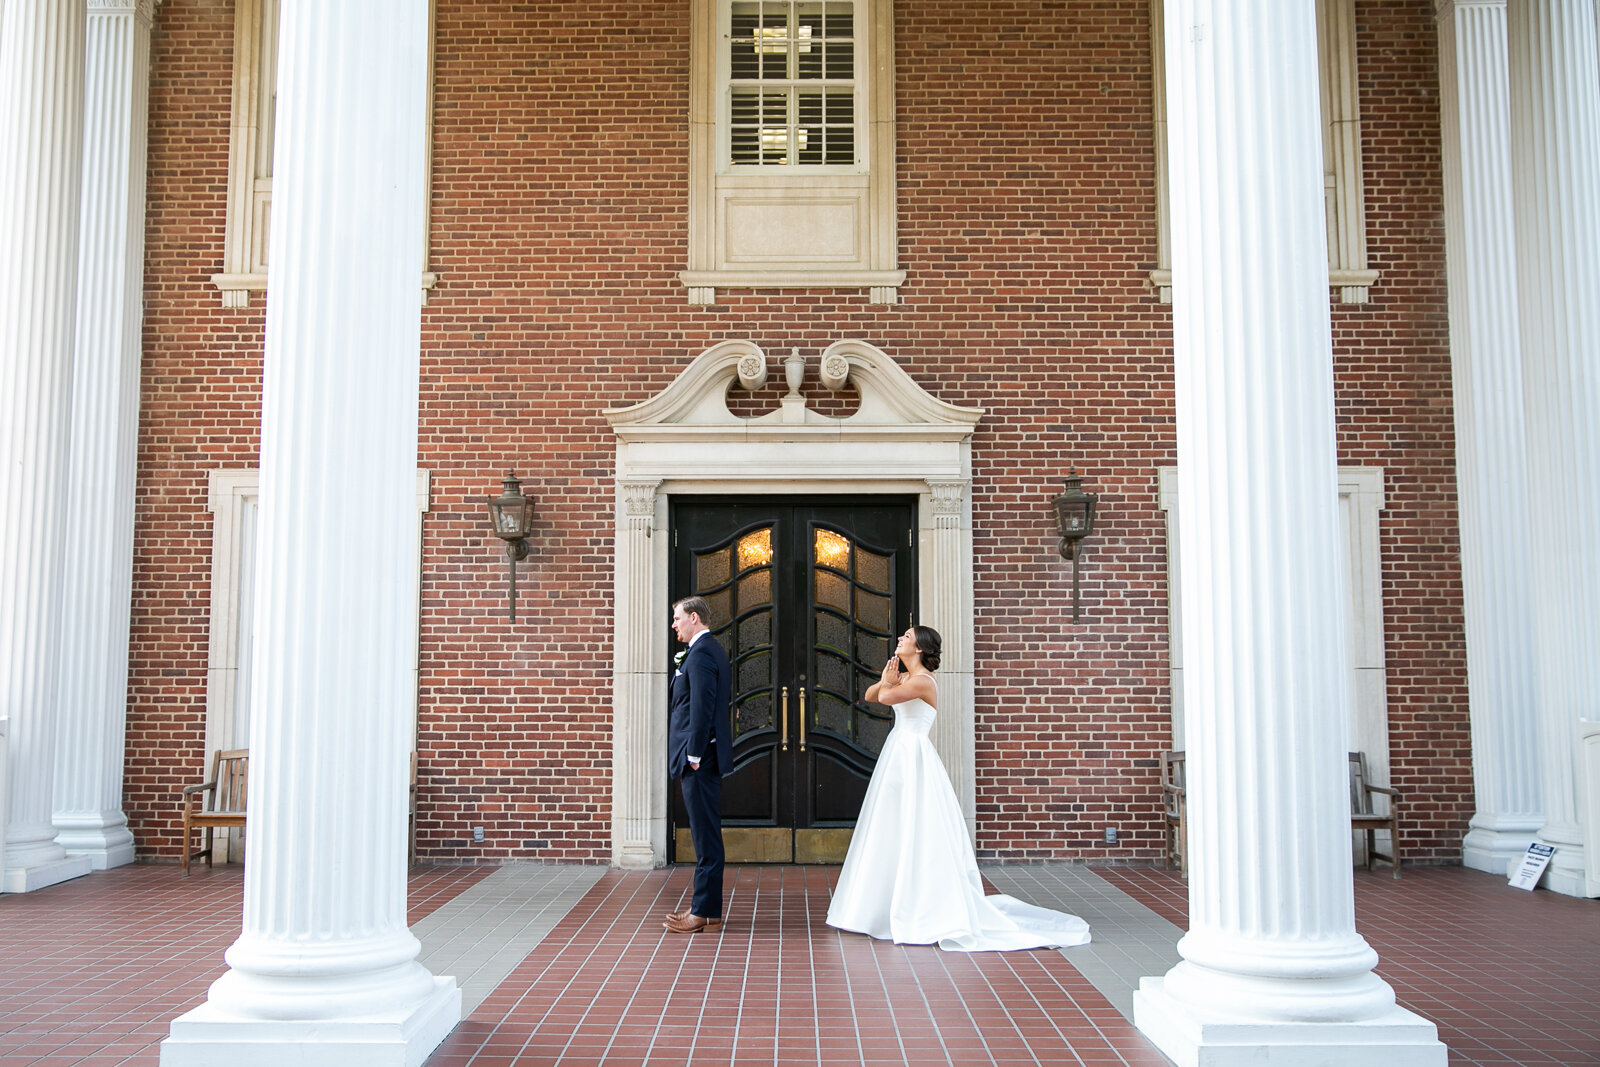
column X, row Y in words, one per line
column 1027, row 225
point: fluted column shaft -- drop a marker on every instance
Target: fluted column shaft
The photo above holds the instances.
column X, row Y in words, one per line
column 325, row 951
column 1491, row 480
column 41, row 144
column 639, row 768
column 97, row 588
column 1272, row 950
column 1555, row 153
column 944, row 547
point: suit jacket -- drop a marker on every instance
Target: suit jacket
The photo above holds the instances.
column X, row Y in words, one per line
column 701, row 690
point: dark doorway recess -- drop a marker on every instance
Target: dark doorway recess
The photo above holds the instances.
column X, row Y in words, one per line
column 808, row 596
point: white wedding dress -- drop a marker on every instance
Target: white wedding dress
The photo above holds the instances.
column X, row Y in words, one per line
column 910, row 875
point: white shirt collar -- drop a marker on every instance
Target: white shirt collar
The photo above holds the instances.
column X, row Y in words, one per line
column 697, row 637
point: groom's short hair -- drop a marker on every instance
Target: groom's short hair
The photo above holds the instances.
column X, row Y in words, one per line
column 696, row 605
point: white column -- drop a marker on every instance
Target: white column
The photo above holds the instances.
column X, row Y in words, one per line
column 1555, row 173
column 1273, row 970
column 97, row 588
column 41, row 145
column 325, row 970
column 1491, row 473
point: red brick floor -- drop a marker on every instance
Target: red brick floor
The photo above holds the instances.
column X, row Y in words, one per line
column 1508, row 976
column 777, row 985
column 93, row 971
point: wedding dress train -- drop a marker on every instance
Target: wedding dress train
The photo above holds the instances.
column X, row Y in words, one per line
column 910, row 875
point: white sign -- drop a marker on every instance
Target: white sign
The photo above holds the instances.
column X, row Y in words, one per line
column 1533, row 865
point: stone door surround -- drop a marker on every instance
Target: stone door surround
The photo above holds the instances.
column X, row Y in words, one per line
column 901, row 440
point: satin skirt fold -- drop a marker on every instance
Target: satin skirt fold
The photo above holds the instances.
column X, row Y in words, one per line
column 910, row 875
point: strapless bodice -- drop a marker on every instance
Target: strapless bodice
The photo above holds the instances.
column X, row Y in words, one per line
column 915, row 715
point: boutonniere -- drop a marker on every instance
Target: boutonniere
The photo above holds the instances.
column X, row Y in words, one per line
column 677, row 661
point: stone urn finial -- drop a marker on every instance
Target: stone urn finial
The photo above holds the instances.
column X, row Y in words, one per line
column 794, row 371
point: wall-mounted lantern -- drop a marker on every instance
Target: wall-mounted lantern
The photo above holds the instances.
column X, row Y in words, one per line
column 511, row 517
column 1074, row 520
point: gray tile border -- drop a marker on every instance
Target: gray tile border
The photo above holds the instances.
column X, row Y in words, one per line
column 1130, row 941
column 481, row 935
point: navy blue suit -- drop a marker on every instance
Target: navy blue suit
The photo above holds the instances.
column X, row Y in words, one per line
column 699, row 726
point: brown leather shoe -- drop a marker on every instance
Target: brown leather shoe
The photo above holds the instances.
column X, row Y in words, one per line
column 691, row 925
column 685, row 914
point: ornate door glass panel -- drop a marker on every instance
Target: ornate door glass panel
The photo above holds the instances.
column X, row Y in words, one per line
column 807, row 598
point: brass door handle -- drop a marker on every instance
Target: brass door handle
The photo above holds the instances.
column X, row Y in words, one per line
column 784, row 732
column 802, row 718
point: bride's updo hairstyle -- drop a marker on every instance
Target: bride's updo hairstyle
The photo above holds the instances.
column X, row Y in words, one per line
column 928, row 645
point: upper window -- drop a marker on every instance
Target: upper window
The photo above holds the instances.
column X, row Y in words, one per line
column 791, row 81
column 250, row 150
column 791, row 147
column 1345, row 202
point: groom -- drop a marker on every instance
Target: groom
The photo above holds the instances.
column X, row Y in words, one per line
column 699, row 750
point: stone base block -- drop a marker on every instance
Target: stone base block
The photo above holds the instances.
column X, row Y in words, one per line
column 1397, row 1039
column 39, row 875
column 1495, row 850
column 405, row 1038
column 103, row 855
column 104, row 842
column 1567, row 873
column 103, row 859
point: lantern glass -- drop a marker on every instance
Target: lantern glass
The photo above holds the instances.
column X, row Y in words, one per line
column 507, row 516
column 511, row 513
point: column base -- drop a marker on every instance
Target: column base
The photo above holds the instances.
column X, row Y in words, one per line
column 1494, row 849
column 44, row 873
column 1397, row 1037
column 103, row 846
column 634, row 858
column 404, row 1038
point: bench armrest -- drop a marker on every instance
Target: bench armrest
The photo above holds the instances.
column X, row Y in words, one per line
column 203, row 787
column 1385, row 790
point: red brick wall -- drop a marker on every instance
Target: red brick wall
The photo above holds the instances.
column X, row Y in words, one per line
column 200, row 409
column 1027, row 226
column 1392, row 394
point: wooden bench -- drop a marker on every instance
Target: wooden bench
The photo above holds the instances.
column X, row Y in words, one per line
column 216, row 805
column 1363, row 816
column 1174, row 807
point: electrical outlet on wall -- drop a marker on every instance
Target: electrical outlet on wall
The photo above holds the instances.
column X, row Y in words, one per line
column 1111, row 835
column 477, row 835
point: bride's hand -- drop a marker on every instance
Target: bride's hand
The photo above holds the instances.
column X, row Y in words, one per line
column 891, row 671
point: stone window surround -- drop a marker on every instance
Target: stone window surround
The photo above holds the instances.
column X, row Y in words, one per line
column 1341, row 116
column 900, row 441
column 819, row 196
column 249, row 204
column 1361, row 500
column 230, row 493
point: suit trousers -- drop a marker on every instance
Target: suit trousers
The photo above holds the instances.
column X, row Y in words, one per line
column 702, row 798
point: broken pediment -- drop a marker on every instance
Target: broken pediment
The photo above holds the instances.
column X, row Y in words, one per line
column 889, row 397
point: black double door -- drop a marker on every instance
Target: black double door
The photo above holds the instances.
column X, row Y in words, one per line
column 808, row 598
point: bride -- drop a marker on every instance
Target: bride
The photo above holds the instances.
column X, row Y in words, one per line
column 910, row 875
